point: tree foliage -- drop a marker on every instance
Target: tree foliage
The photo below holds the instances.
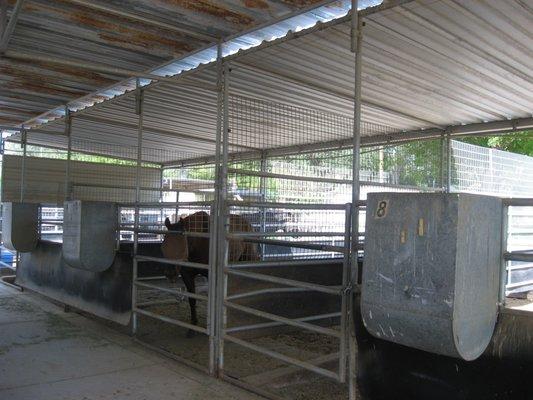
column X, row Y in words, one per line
column 518, row 142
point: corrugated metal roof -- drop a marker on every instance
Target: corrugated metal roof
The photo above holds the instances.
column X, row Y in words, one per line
column 425, row 64
column 138, row 35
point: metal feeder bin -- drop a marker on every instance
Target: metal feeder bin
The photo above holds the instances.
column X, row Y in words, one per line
column 20, row 226
column 89, row 234
column 431, row 271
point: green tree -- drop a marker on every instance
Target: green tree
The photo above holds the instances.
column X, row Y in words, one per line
column 518, row 142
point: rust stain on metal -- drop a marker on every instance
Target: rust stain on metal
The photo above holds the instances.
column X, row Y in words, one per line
column 26, row 7
column 301, row 3
column 37, row 83
column 9, row 121
column 148, row 41
column 212, row 8
column 11, row 110
column 260, row 4
column 25, row 70
column 42, row 87
column 121, row 30
column 116, row 32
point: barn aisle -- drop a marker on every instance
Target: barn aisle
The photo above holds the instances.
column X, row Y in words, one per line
column 48, row 354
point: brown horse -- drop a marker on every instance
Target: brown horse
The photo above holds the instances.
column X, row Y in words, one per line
column 196, row 249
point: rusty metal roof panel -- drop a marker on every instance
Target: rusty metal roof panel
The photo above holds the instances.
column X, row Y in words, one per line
column 139, row 35
column 425, row 64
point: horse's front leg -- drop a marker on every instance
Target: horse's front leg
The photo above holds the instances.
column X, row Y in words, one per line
column 188, row 279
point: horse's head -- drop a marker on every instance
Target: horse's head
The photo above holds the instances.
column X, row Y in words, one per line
column 177, row 227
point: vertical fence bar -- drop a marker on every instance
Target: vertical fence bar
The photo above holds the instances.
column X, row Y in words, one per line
column 24, row 137
column 177, row 205
column 212, row 287
column 448, row 163
column 356, row 46
column 504, row 262
column 223, row 221
column 346, row 293
column 139, row 112
column 442, row 162
column 217, row 207
column 262, row 190
column 161, row 170
column 68, row 131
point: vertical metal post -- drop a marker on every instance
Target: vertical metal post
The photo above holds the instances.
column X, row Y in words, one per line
column 212, row 288
column 356, row 46
column 442, row 163
column 139, row 112
column 504, row 262
column 448, row 163
column 161, row 195
column 223, row 219
column 262, row 189
column 68, row 132
column 177, row 206
column 346, row 293
column 23, row 139
column 214, row 276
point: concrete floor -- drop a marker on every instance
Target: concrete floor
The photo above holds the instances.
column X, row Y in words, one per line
column 47, row 354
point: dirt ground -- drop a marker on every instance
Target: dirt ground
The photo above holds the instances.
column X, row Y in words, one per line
column 240, row 363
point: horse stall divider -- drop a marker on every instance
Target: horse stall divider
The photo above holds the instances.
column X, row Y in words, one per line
column 284, row 248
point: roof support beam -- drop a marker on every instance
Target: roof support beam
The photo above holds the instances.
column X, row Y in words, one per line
column 139, row 18
column 8, row 31
column 476, row 129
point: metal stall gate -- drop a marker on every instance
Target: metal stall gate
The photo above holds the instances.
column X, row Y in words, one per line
column 284, row 269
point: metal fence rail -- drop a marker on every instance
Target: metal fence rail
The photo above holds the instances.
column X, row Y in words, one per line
column 517, row 255
column 140, row 307
column 233, row 268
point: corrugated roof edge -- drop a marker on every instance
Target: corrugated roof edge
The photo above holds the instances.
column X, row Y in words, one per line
column 296, row 24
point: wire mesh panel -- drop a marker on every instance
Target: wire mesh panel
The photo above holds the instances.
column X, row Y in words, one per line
column 483, row 170
column 191, row 183
column 519, row 272
column 285, row 231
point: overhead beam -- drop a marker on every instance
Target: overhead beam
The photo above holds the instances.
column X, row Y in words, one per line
column 475, row 129
column 145, row 20
column 10, row 28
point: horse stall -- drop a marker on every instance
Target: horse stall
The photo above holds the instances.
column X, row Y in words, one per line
column 220, row 212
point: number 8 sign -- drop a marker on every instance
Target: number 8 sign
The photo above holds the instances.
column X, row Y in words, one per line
column 382, row 209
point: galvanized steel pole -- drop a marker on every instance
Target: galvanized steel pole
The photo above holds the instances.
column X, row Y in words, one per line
column 68, row 131
column 223, row 220
column 215, row 218
column 23, row 138
column 442, row 162
column 448, row 163
column 139, row 112
column 262, row 190
column 356, row 46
